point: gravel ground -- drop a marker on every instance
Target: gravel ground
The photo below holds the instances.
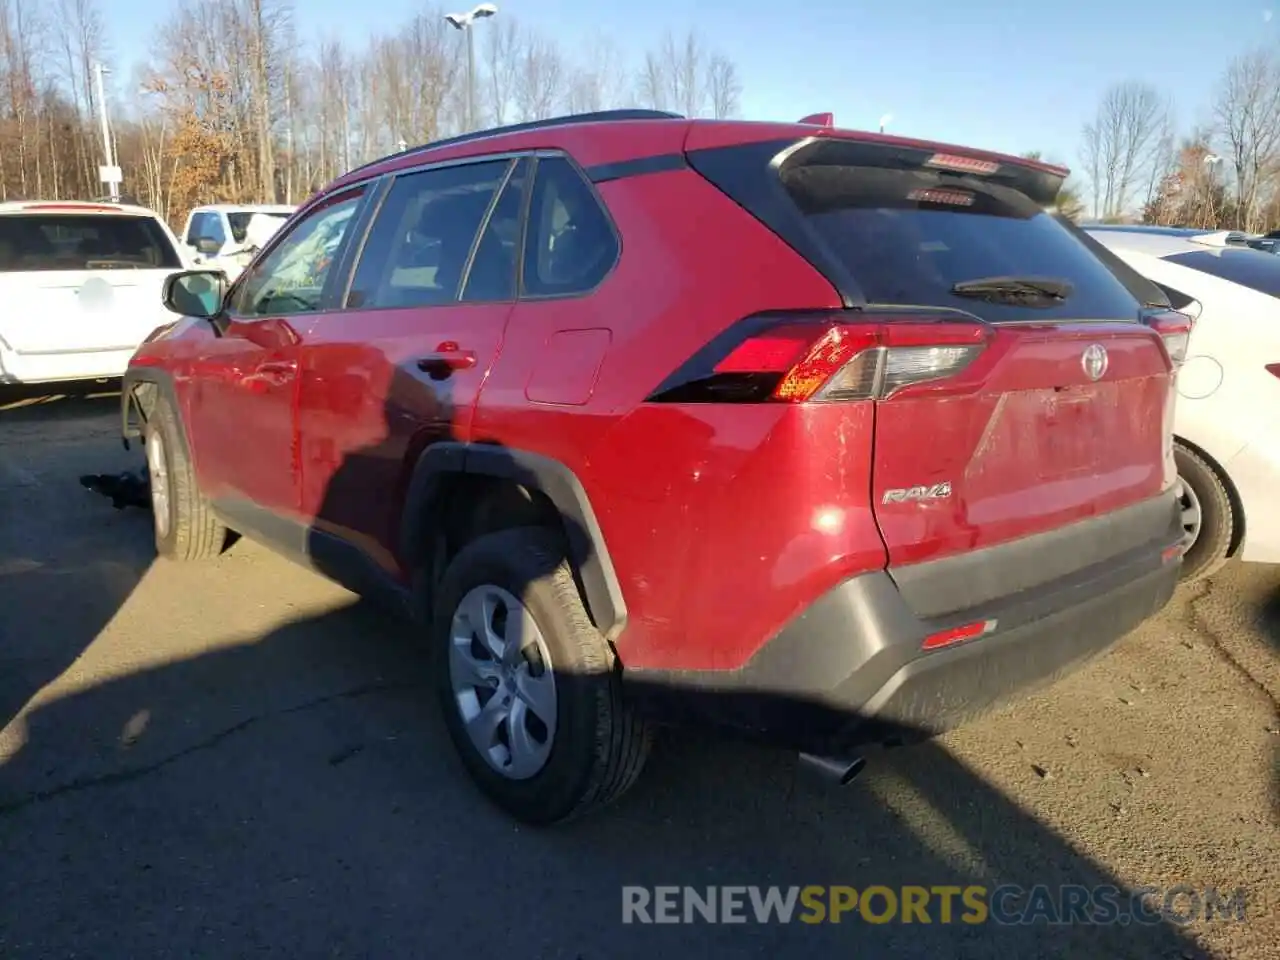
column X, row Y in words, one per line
column 239, row 758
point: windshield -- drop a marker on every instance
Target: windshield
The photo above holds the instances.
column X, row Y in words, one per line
column 1250, row 268
column 908, row 237
column 61, row 241
column 240, row 222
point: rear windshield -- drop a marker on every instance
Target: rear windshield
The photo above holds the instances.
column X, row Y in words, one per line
column 83, row 242
column 907, row 236
column 240, row 222
column 1250, row 268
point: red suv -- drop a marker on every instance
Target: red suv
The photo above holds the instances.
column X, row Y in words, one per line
column 826, row 438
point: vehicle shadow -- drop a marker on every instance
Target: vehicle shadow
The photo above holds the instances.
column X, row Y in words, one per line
column 66, row 565
column 299, row 791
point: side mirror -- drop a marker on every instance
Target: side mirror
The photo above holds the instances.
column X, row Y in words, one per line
column 196, row 293
column 207, row 246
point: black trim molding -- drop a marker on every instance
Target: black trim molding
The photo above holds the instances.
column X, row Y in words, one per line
column 604, row 172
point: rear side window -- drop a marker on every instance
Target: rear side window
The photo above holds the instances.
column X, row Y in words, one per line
column 421, row 241
column 492, row 277
column 1250, row 268
column 907, row 237
column 83, row 242
column 570, row 245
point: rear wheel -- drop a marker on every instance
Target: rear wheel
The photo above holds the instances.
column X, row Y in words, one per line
column 529, row 688
column 1208, row 519
column 185, row 527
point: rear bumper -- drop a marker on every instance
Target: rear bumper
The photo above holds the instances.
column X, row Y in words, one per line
column 850, row 670
column 58, row 366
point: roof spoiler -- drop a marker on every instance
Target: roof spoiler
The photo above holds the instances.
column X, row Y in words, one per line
column 1038, row 181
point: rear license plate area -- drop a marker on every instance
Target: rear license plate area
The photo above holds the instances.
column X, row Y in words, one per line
column 1069, row 438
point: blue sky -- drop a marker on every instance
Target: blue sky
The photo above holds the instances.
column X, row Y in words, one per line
column 998, row 74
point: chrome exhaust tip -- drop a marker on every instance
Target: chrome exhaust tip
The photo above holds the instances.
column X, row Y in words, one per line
column 832, row 770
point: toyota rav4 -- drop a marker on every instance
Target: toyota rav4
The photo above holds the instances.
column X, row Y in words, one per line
column 823, row 437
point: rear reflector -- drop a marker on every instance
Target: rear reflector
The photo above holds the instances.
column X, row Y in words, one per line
column 1175, row 333
column 825, row 357
column 947, row 638
column 1171, row 553
column 950, row 161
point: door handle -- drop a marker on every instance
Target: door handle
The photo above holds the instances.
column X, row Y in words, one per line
column 271, row 374
column 447, row 358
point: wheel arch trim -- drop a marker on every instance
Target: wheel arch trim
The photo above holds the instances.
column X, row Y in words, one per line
column 588, row 555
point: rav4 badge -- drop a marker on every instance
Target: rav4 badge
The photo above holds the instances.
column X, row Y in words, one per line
column 939, row 491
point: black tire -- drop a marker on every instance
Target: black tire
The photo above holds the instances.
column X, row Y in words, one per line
column 1212, row 545
column 191, row 531
column 600, row 746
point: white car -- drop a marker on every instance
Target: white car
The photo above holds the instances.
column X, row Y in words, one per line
column 220, row 229
column 81, row 286
column 1227, row 420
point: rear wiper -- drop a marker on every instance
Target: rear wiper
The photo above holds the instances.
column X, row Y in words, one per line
column 1026, row 291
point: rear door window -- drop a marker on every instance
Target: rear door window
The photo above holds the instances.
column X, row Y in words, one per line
column 1250, row 268
column 422, row 240
column 43, row 242
column 908, row 236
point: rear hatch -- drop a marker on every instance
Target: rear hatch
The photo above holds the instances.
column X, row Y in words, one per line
column 74, row 280
column 1018, row 382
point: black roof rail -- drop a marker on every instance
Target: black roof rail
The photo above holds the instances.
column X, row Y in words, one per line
column 599, row 116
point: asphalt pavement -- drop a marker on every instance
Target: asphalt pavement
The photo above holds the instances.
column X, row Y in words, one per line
column 238, row 758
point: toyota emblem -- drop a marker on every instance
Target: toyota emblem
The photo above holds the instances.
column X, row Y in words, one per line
column 1094, row 361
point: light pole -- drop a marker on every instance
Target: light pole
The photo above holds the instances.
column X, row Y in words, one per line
column 109, row 176
column 463, row 22
column 1211, row 162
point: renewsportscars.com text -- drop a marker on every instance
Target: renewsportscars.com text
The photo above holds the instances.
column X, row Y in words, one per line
column 1101, row 905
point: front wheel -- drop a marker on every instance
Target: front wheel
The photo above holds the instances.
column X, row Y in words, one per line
column 529, row 688
column 185, row 527
column 1208, row 518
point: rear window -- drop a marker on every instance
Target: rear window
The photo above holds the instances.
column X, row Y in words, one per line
column 907, row 236
column 1250, row 268
column 240, row 222
column 83, row 242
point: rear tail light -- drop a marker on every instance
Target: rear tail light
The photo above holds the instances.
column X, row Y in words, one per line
column 825, row 357
column 1175, row 333
column 1273, row 369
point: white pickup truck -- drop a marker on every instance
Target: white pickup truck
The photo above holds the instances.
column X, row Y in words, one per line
column 225, row 236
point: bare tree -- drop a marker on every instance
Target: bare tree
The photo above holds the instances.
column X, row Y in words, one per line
column 599, row 82
column 653, row 87
column 503, row 54
column 1247, row 112
column 1122, row 143
column 723, row 87
column 541, row 80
